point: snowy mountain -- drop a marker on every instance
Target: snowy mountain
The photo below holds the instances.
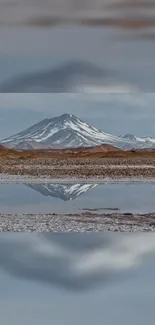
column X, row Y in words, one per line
column 65, row 131
column 130, row 137
column 30, row 145
column 64, row 192
column 140, row 142
column 68, row 131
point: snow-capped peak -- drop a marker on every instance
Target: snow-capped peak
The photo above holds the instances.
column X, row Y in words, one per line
column 68, row 131
column 130, row 137
column 64, row 131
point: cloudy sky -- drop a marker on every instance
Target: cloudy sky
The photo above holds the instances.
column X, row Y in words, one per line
column 113, row 113
column 41, row 35
column 33, row 53
column 74, row 278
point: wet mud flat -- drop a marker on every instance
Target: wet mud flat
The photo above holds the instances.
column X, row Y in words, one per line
column 80, row 168
column 82, row 222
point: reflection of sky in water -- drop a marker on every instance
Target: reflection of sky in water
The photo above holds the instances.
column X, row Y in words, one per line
column 125, row 296
column 72, row 198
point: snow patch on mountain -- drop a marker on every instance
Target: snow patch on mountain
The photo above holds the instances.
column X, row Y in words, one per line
column 68, row 131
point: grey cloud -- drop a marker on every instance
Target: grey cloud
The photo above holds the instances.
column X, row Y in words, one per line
column 100, row 12
column 131, row 64
column 70, row 77
column 74, row 262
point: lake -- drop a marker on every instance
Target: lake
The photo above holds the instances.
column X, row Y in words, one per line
column 72, row 198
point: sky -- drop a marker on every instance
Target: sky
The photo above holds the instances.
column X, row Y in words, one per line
column 33, row 45
column 117, row 114
column 34, row 53
column 74, row 278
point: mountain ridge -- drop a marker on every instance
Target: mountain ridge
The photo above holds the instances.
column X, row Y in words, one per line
column 68, row 131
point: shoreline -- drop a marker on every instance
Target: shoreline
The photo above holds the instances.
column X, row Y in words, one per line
column 27, row 179
column 84, row 170
column 80, row 222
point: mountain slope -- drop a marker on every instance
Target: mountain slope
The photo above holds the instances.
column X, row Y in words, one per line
column 140, row 142
column 68, row 131
column 64, row 131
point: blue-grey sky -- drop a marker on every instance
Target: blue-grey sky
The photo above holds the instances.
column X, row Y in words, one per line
column 32, row 42
column 113, row 113
column 128, row 59
column 77, row 278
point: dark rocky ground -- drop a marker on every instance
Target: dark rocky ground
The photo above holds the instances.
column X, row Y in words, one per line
column 82, row 222
column 80, row 168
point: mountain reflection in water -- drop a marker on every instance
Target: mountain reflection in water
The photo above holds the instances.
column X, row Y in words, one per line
column 64, row 192
column 62, row 198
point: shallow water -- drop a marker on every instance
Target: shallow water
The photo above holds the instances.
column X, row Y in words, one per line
column 73, row 198
column 77, row 278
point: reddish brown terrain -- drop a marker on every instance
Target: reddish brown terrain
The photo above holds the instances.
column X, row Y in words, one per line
column 101, row 151
column 104, row 161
